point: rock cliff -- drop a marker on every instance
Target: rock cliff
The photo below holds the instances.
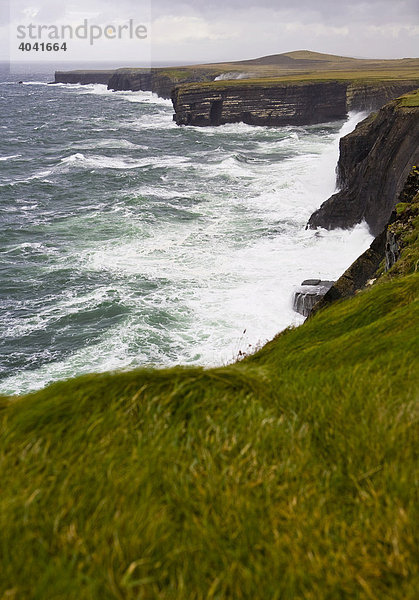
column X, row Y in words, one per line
column 394, row 250
column 158, row 81
column 374, row 162
column 83, row 77
column 371, row 96
column 258, row 102
column 278, row 102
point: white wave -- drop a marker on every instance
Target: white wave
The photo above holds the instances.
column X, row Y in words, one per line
column 106, row 162
column 11, row 157
column 35, row 83
column 231, row 128
column 110, row 143
column 143, row 97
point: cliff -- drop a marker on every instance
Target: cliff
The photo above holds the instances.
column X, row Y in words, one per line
column 371, row 96
column 395, row 251
column 83, row 77
column 158, row 81
column 259, row 102
column 280, row 102
column 288, row 67
column 374, row 162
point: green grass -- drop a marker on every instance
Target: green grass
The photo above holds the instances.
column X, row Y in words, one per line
column 410, row 100
column 290, row 474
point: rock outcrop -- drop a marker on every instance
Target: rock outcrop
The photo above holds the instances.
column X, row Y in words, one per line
column 310, row 292
column 374, row 162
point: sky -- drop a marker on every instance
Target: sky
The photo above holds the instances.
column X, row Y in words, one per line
column 215, row 30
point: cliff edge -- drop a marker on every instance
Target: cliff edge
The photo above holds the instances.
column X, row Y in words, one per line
column 374, row 162
column 395, row 251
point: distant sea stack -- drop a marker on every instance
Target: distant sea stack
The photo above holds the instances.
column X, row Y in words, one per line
column 374, row 162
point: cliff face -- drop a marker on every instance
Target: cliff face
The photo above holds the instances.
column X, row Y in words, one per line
column 367, row 97
column 395, row 249
column 374, row 162
column 259, row 104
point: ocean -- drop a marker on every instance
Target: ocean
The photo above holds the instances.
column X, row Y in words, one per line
column 127, row 241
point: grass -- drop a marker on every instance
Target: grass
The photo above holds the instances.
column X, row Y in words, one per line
column 410, row 100
column 290, row 474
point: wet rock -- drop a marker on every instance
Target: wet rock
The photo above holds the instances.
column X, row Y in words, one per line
column 310, row 292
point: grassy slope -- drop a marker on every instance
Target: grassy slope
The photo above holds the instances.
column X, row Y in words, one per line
column 288, row 475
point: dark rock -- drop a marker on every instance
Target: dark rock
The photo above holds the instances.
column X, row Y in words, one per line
column 369, row 97
column 402, row 221
column 311, row 282
column 311, row 291
column 374, row 162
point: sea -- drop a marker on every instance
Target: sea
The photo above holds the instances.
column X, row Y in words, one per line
column 127, row 241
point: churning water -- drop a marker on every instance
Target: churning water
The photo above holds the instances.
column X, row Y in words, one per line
column 128, row 241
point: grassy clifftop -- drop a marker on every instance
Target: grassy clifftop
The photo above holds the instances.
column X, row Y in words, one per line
column 287, row 475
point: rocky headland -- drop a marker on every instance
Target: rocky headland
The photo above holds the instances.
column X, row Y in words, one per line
column 374, row 162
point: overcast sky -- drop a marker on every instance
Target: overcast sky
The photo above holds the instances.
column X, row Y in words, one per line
column 218, row 30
